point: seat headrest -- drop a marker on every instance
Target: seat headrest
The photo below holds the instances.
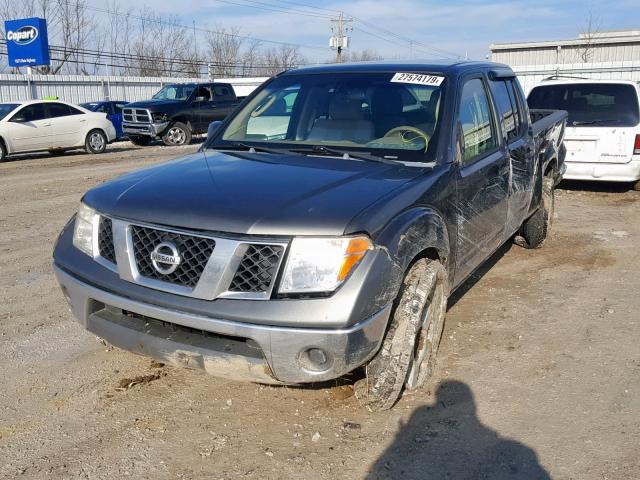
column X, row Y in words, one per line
column 386, row 101
column 344, row 108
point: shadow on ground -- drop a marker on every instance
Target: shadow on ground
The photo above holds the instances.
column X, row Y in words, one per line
column 448, row 441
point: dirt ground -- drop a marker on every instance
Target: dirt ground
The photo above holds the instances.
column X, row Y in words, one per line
column 538, row 376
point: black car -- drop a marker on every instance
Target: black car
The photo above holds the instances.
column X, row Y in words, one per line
column 322, row 226
column 177, row 112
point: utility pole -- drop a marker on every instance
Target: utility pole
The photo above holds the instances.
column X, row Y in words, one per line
column 339, row 40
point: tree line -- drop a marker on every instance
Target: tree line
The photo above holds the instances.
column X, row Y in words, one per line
column 113, row 40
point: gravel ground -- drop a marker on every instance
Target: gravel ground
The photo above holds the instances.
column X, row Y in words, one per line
column 538, row 377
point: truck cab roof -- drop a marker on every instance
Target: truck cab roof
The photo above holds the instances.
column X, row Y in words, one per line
column 443, row 66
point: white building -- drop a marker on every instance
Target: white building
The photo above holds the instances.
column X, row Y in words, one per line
column 602, row 55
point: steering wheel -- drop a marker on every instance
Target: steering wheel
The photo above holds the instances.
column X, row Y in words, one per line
column 408, row 128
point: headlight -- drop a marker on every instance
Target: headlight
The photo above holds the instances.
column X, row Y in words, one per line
column 321, row 264
column 83, row 231
column 159, row 117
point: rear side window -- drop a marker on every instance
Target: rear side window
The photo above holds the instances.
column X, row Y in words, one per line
column 61, row 110
column 221, row 91
column 590, row 104
column 507, row 108
column 476, row 120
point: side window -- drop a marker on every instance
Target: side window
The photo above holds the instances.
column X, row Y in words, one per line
column 61, row 110
column 102, row 108
column 74, row 110
column 518, row 104
column 221, row 91
column 506, row 109
column 270, row 119
column 476, row 120
column 118, row 107
column 31, row 113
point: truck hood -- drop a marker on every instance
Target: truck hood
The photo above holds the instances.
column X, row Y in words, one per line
column 251, row 193
column 154, row 104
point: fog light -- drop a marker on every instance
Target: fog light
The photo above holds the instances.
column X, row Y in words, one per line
column 315, row 359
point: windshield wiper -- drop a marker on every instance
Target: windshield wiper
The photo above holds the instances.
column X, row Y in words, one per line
column 346, row 154
column 593, row 122
column 254, row 149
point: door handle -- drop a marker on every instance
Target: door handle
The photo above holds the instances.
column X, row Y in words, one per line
column 83, row 120
column 47, row 125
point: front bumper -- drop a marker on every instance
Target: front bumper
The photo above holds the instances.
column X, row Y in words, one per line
column 229, row 349
column 606, row 172
column 145, row 129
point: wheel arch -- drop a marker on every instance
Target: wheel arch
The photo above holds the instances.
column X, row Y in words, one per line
column 417, row 233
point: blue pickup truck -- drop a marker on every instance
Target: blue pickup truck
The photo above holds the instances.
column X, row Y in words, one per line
column 322, row 226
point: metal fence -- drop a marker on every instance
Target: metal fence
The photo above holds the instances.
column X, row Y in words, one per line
column 79, row 89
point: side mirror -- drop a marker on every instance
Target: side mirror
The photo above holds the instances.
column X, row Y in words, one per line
column 213, row 128
column 18, row 119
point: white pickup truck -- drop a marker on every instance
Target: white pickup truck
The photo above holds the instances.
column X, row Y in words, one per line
column 603, row 129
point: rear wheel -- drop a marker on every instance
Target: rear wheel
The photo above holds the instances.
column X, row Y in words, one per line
column 96, row 142
column 535, row 229
column 140, row 140
column 636, row 186
column 3, row 151
column 177, row 134
column 408, row 353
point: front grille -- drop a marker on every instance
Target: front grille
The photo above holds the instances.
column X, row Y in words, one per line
column 194, row 254
column 257, row 269
column 105, row 240
column 136, row 115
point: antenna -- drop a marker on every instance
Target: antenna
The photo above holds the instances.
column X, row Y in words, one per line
column 339, row 40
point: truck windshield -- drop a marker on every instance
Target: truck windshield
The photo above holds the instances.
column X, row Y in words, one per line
column 395, row 115
column 6, row 109
column 590, row 104
column 174, row 92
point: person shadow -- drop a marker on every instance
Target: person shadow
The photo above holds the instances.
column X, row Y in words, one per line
column 448, row 441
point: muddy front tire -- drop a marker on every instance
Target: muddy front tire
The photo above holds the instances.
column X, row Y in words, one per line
column 536, row 228
column 407, row 356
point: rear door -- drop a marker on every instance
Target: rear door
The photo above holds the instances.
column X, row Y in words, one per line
column 221, row 103
column 483, row 183
column 68, row 124
column 603, row 118
column 29, row 128
column 513, row 119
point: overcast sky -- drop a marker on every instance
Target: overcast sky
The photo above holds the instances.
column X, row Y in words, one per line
column 458, row 26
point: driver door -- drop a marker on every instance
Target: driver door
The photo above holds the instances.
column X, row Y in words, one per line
column 30, row 128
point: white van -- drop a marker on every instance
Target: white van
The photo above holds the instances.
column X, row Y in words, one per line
column 603, row 129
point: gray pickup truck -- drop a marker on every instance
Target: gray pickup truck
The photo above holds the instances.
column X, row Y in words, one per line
column 321, row 227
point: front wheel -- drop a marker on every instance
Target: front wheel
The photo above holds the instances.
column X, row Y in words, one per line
column 636, row 186
column 96, row 142
column 535, row 229
column 408, row 352
column 3, row 152
column 177, row 134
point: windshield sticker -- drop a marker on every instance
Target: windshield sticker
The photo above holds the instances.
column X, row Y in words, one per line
column 418, row 78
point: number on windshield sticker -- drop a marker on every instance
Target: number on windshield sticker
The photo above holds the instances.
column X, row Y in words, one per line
column 417, row 78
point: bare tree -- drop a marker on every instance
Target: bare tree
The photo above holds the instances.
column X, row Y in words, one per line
column 223, row 51
column 589, row 32
column 285, row 57
column 363, row 56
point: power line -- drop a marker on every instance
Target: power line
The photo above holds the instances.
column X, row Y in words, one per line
column 160, row 21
